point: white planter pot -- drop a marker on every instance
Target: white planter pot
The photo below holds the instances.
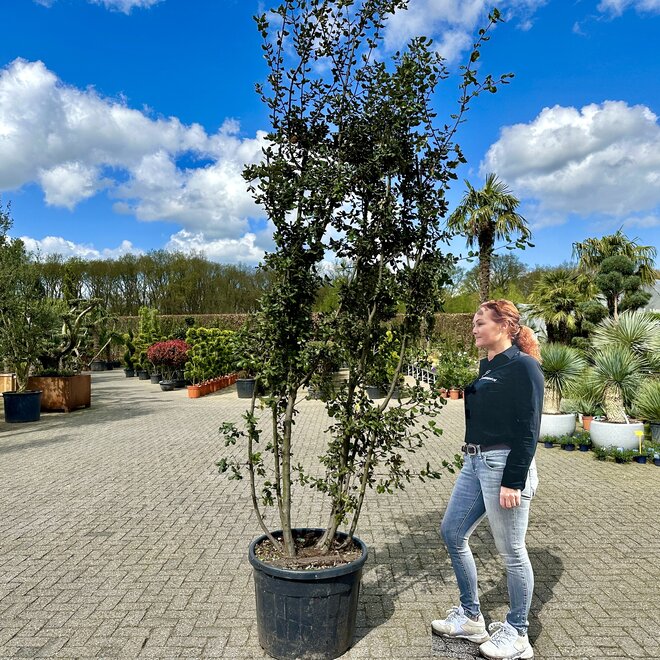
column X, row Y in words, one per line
column 608, row 434
column 563, row 424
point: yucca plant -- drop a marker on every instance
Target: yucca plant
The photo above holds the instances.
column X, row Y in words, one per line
column 637, row 331
column 647, row 401
column 619, row 372
column 587, row 393
column 561, row 366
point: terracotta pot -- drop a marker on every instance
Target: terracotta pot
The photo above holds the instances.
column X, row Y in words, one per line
column 454, row 393
column 194, row 391
column 586, row 422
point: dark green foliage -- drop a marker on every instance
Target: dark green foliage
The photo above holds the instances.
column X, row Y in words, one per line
column 356, row 165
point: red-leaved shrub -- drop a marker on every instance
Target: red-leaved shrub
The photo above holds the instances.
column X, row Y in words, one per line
column 172, row 353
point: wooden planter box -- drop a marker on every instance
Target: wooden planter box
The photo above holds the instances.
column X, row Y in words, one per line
column 7, row 383
column 63, row 392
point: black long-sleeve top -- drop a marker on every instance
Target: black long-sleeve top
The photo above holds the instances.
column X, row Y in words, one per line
column 503, row 406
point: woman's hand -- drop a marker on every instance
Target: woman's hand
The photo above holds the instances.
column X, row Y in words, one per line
column 509, row 497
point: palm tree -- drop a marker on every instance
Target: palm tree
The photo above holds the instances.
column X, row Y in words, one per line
column 485, row 216
column 557, row 297
column 593, row 251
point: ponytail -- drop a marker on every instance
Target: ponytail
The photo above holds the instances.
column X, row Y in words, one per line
column 526, row 341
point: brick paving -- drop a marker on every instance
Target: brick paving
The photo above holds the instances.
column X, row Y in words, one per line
column 119, row 539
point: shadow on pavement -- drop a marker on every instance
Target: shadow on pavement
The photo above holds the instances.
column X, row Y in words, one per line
column 391, row 573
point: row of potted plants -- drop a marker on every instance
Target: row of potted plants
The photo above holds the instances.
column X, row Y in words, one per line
column 210, row 386
column 581, row 440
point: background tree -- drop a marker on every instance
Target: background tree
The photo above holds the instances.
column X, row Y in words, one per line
column 487, row 215
column 558, row 298
column 593, row 251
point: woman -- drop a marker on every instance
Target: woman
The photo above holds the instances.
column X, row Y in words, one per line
column 502, row 418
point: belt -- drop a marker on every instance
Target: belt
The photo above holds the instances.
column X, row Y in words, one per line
column 471, row 449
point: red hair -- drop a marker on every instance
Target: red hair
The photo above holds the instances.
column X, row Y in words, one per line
column 505, row 312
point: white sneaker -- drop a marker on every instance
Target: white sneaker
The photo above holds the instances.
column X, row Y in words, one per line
column 457, row 624
column 506, row 644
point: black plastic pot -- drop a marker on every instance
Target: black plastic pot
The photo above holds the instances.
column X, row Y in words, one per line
column 583, row 447
column 568, row 447
column 245, row 387
column 129, row 373
column 155, row 379
column 98, row 365
column 640, row 459
column 167, row 385
column 306, row 614
column 22, row 406
column 373, row 392
column 656, row 461
column 548, row 445
column 143, row 375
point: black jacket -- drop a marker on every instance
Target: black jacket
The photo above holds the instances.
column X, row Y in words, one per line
column 503, row 406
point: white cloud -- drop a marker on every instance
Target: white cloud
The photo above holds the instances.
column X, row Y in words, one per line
column 602, row 158
column 226, row 250
column 452, row 23
column 58, row 245
column 617, row 7
column 75, row 143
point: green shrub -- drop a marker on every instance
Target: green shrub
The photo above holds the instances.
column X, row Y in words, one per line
column 212, row 353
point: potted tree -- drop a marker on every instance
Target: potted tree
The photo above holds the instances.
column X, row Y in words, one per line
column 625, row 352
column 647, row 406
column 27, row 320
column 352, row 164
column 129, row 353
column 168, row 356
column 561, row 366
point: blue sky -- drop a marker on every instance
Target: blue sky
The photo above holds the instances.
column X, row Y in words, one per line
column 124, row 124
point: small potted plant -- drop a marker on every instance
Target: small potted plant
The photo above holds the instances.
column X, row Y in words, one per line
column 601, row 453
column 622, row 455
column 567, row 443
column 549, row 441
column 583, row 440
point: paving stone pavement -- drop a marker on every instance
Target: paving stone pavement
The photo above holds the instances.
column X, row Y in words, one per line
column 119, row 539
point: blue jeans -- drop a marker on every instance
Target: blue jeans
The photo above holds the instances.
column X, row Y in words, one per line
column 476, row 495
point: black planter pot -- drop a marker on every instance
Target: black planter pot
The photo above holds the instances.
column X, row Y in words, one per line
column 155, row 379
column 548, row 445
column 167, row 385
column 373, row 392
column 640, row 459
column 22, row 406
column 179, row 383
column 129, row 373
column 583, row 447
column 245, row 387
column 143, row 375
column 306, row 614
column 98, row 365
column 656, row 461
column 569, row 447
